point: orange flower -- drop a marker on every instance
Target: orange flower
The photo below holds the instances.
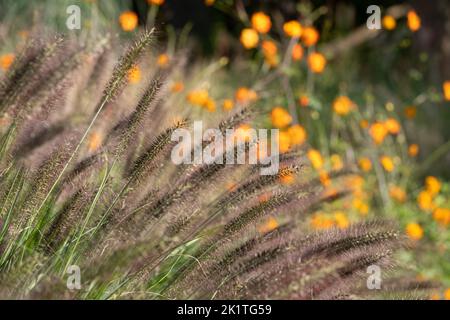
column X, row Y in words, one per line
column 95, row 140
column 341, row 219
column 316, row 158
column 245, row 95
column 397, row 193
column 316, row 62
column 387, row 163
column 261, row 22
column 324, row 178
column 6, row 61
column 413, row 150
column 361, row 206
column 198, row 97
column 210, row 105
column 378, row 132
column 209, row 2
column 304, row 101
column 177, row 87
column 297, row 52
column 364, row 124
column 134, row 75
column 446, row 89
column 365, row 164
column 432, row 184
column 392, row 126
column 414, row 231
column 389, row 22
column 163, row 60
column 447, row 294
column 442, row 216
column 321, row 221
column 156, row 2
column 269, row 48
column 343, row 105
column 425, row 200
column 336, row 162
column 270, row 225
column 287, row 179
column 292, row 29
column 249, row 38
column 297, row 134
column 128, row 20
column 280, row 117
column 270, row 52
column 410, row 112
column 227, row 104
column 284, row 141
column 413, row 20
column 310, row 36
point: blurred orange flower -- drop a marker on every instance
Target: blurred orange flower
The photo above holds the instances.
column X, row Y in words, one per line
column 198, row 97
column 316, row 158
column 227, row 104
column 413, row 150
column 245, row 95
column 310, row 36
column 304, row 101
column 414, row 231
column 341, row 219
column 261, row 22
column 392, row 126
column 163, row 60
column 336, row 162
column 284, row 141
column 209, row 2
column 413, row 21
column 425, row 200
column 316, row 62
column 389, row 22
column 280, row 117
column 249, row 38
column 297, row 52
column 387, row 163
column 446, row 89
column 177, row 86
column 324, row 178
column 321, row 221
column 410, row 112
column 447, row 294
column 442, row 216
column 156, row 2
column 270, row 225
column 297, row 134
column 378, row 132
column 95, row 140
column 364, row 124
column 134, row 75
column 128, row 20
column 361, row 206
column 293, row 28
column 6, row 60
column 287, row 179
column 210, row 105
column 433, row 185
column 342, row 105
column 397, row 193
column 365, row 164
column 270, row 52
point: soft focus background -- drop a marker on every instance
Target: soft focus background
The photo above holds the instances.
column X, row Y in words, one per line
column 373, row 102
